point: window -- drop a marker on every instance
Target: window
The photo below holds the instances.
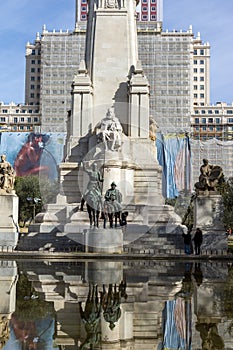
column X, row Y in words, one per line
column 229, row 111
column 195, row 62
column 29, row 120
column 210, row 120
column 4, row 111
column 197, row 128
column 22, row 119
column 203, row 120
column 204, row 128
column 196, row 120
column 217, row 120
column 35, row 120
column 32, row 78
column 195, row 52
column 3, row 119
column 230, row 120
column 32, row 70
column 202, row 62
column 33, row 52
column 33, row 61
column 202, row 70
column 202, row 52
column 216, row 111
column 194, row 70
column 195, row 78
column 32, row 87
column 202, row 87
column 21, row 127
column 202, row 78
column 196, row 111
column 211, row 128
column 195, row 87
column 202, row 111
column 210, row 111
column 15, row 120
column 202, row 96
column 32, row 95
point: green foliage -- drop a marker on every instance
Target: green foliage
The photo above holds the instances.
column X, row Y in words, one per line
column 33, row 187
column 28, row 309
column 226, row 190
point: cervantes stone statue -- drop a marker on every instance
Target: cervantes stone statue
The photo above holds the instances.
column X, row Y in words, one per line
column 8, row 205
column 7, row 176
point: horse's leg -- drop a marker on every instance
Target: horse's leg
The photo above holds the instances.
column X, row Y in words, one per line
column 110, row 216
column 97, row 217
column 82, row 203
column 89, row 214
column 115, row 216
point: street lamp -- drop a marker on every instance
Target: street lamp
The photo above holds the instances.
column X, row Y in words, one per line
column 34, row 201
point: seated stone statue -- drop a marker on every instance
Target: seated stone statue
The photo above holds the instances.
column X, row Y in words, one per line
column 109, row 131
column 209, row 178
column 7, row 175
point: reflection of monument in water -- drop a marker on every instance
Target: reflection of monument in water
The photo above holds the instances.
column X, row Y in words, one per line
column 108, row 125
column 159, row 305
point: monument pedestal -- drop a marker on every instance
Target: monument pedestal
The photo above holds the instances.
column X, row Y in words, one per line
column 100, row 240
column 208, row 211
column 9, row 221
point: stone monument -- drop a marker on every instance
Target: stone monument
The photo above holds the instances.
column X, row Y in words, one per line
column 9, row 206
column 109, row 125
column 207, row 202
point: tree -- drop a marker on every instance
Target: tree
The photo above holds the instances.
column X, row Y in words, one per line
column 226, row 190
column 34, row 188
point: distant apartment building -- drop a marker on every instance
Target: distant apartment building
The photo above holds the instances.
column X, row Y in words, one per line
column 19, row 117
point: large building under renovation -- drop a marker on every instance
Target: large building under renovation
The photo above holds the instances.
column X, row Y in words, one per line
column 175, row 63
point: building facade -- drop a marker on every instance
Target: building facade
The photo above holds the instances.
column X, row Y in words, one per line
column 19, row 117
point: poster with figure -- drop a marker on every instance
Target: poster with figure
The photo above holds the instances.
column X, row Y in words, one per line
column 33, row 153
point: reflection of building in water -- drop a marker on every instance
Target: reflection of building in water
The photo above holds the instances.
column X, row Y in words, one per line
column 194, row 293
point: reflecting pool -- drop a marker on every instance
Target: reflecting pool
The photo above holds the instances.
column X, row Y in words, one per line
column 130, row 305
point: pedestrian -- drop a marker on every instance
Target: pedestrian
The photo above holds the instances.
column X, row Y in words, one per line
column 187, row 242
column 197, row 239
column 124, row 221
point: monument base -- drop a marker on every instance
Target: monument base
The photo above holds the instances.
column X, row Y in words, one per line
column 208, row 211
column 9, row 221
column 100, row 240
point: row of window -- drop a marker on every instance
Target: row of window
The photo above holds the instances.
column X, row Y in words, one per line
column 200, row 61
column 210, row 111
column 209, row 128
column 200, row 78
column 207, row 120
column 195, row 70
column 35, row 61
column 36, row 52
column 201, row 95
column 5, row 111
column 199, row 52
column 34, row 70
column 211, row 120
column 21, row 120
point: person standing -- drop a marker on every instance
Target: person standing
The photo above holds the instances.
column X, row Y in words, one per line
column 187, row 242
column 197, row 239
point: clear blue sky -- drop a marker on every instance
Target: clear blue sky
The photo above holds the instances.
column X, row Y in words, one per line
column 21, row 19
